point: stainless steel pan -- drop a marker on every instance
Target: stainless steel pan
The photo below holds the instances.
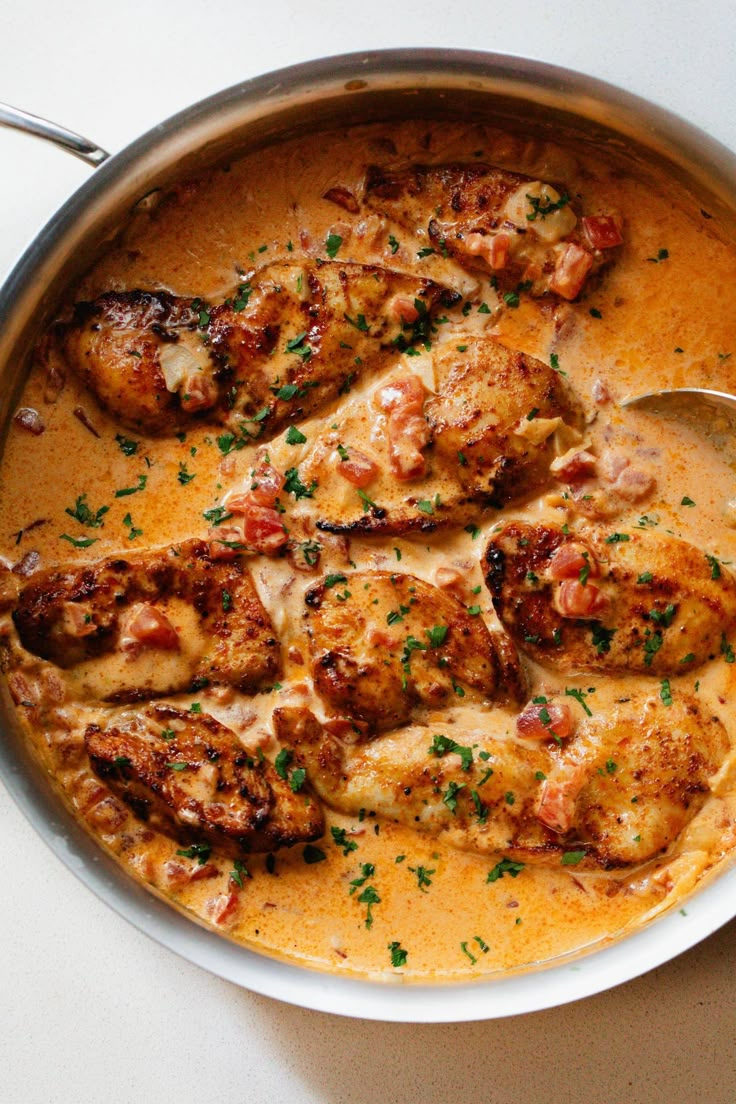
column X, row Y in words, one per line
column 352, row 88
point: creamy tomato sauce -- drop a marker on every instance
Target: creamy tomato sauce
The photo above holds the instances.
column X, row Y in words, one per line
column 660, row 315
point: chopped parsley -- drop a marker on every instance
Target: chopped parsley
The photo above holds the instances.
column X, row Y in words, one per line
column 442, row 745
column 341, row 839
column 572, row 858
column 715, row 567
column 216, row 515
column 140, row 486
column 505, row 866
column 359, row 323
column 293, row 485
column 199, row 851
column 294, row 436
column 300, row 346
column 312, row 854
column 332, row 245
column 617, row 538
column 665, row 691
column 436, row 635
column 84, row 515
column 394, row 244
column 645, row 577
column 425, row 506
column 238, row 872
column 450, row 797
column 580, row 696
column 83, row 542
column 602, row 638
column 333, row 580
column 726, row 650
column 541, row 206
column 184, row 475
column 310, row 550
column 126, row 445
column 685, row 501
column 398, row 954
column 424, row 876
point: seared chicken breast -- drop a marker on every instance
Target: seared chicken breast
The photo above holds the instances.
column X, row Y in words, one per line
column 485, row 435
column 289, row 340
column 165, row 621
column 598, row 600
column 188, row 774
column 384, row 645
column 524, row 231
column 617, row 794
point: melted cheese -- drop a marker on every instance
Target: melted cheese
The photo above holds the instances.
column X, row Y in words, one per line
column 656, row 322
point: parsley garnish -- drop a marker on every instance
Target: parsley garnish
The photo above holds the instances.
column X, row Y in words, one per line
column 450, row 797
column 436, row 635
column 340, row 838
column 84, row 542
column 312, row 854
column 442, row 745
column 541, row 206
column 295, row 436
column 333, row 580
column 302, row 349
column 726, row 650
column 393, row 243
column 505, row 866
column 184, row 475
column 140, row 486
column 398, row 954
column 128, row 447
column 715, row 567
column 199, row 851
column 572, row 858
column 580, row 696
column 293, row 485
column 84, row 515
column 332, row 245
column 665, row 691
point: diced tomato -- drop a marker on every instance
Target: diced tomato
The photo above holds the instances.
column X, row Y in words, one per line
column 571, row 271
column 266, row 485
column 407, row 429
column 77, row 620
column 406, row 392
column 602, row 231
column 574, row 466
column 408, row 434
column 544, row 721
column 556, row 807
column 148, row 627
column 226, row 542
column 222, row 908
column 358, row 468
column 199, row 392
column 263, row 529
column 570, row 559
column 576, row 600
column 499, row 251
column 402, row 309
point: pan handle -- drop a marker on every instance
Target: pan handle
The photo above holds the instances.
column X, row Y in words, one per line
column 60, row 136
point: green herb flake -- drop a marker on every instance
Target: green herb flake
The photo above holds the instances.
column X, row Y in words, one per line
column 312, row 854
column 184, row 476
column 332, row 245
column 715, row 567
column 199, row 851
column 140, row 486
column 126, row 445
column 341, row 839
column 505, row 866
column 572, row 858
column 294, row 436
column 82, row 542
column 239, row 872
column 394, row 244
column 398, row 954
column 685, row 501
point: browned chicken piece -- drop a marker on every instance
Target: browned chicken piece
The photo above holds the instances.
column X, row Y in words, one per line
column 169, row 620
column 291, row 339
column 383, row 645
column 593, row 600
column 618, row 794
column 495, row 417
column 524, row 231
column 487, row 807
column 496, row 422
column 627, row 785
column 188, row 774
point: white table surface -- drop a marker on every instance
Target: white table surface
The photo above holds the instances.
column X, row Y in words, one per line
column 91, row 1010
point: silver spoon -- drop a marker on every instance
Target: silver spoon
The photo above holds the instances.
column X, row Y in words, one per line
column 710, row 413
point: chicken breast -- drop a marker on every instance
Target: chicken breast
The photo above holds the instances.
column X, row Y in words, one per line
column 165, row 621
column 594, row 600
column 385, row 645
column 495, row 418
column 486, row 435
column 188, row 774
column 290, row 339
column 525, row 231
column 617, row 794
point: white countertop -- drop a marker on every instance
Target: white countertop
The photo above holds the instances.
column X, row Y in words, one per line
column 92, row 1010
